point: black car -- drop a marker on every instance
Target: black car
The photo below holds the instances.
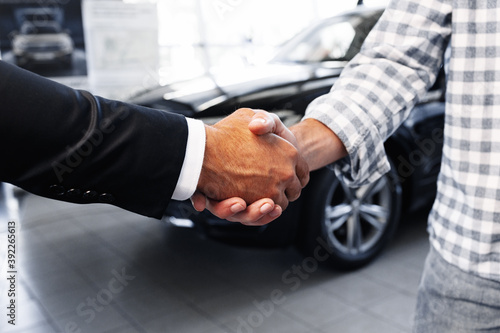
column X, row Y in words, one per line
column 352, row 223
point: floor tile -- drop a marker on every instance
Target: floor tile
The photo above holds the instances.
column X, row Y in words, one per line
column 230, row 306
column 356, row 289
column 393, row 274
column 357, row 322
column 396, row 308
column 259, row 321
column 183, row 320
column 147, row 305
column 65, row 302
column 315, row 307
column 57, row 284
column 92, row 317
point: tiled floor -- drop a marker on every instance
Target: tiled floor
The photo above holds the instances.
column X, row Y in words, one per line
column 100, row 269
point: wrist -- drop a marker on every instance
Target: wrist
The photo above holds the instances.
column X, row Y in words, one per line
column 206, row 172
column 318, row 144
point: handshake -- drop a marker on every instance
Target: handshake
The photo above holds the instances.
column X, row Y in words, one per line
column 253, row 166
column 251, row 170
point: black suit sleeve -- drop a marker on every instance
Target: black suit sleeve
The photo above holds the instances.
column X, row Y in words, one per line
column 70, row 145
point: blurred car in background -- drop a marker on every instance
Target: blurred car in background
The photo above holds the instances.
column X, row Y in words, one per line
column 354, row 224
column 42, row 42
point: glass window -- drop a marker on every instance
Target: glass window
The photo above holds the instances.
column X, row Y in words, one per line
column 335, row 40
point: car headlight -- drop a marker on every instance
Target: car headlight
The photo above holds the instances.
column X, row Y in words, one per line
column 66, row 44
column 19, row 44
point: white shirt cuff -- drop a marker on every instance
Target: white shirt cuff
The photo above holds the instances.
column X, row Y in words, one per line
column 193, row 161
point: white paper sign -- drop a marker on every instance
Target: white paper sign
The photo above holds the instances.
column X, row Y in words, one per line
column 122, row 42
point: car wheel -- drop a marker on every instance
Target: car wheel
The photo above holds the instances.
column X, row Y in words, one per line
column 351, row 224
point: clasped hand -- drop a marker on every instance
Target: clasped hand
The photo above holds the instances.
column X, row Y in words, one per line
column 251, row 170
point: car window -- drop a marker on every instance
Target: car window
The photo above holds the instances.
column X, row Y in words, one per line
column 31, row 29
column 328, row 43
column 335, row 40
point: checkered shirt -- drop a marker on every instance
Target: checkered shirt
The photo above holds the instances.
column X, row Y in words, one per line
column 375, row 93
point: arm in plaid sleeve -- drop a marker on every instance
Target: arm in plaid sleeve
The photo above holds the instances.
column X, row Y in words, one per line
column 398, row 62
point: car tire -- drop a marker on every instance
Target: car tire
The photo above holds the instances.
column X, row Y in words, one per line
column 351, row 224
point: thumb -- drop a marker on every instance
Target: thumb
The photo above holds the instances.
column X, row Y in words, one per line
column 265, row 122
column 262, row 123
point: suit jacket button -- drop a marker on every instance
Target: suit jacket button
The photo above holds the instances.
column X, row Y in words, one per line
column 89, row 195
column 106, row 198
column 57, row 190
column 74, row 193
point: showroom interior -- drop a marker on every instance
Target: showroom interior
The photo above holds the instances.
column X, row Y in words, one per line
column 98, row 268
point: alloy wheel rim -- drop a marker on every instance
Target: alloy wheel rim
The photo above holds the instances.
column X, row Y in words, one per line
column 356, row 218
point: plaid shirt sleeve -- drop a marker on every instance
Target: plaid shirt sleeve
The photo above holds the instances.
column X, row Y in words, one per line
column 398, row 62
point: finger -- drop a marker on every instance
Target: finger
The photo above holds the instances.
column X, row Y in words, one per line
column 226, row 208
column 293, row 189
column 260, row 212
column 275, row 213
column 282, row 199
column 198, row 200
column 262, row 123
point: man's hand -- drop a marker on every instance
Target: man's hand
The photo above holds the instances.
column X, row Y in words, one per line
column 316, row 142
column 239, row 163
column 260, row 212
